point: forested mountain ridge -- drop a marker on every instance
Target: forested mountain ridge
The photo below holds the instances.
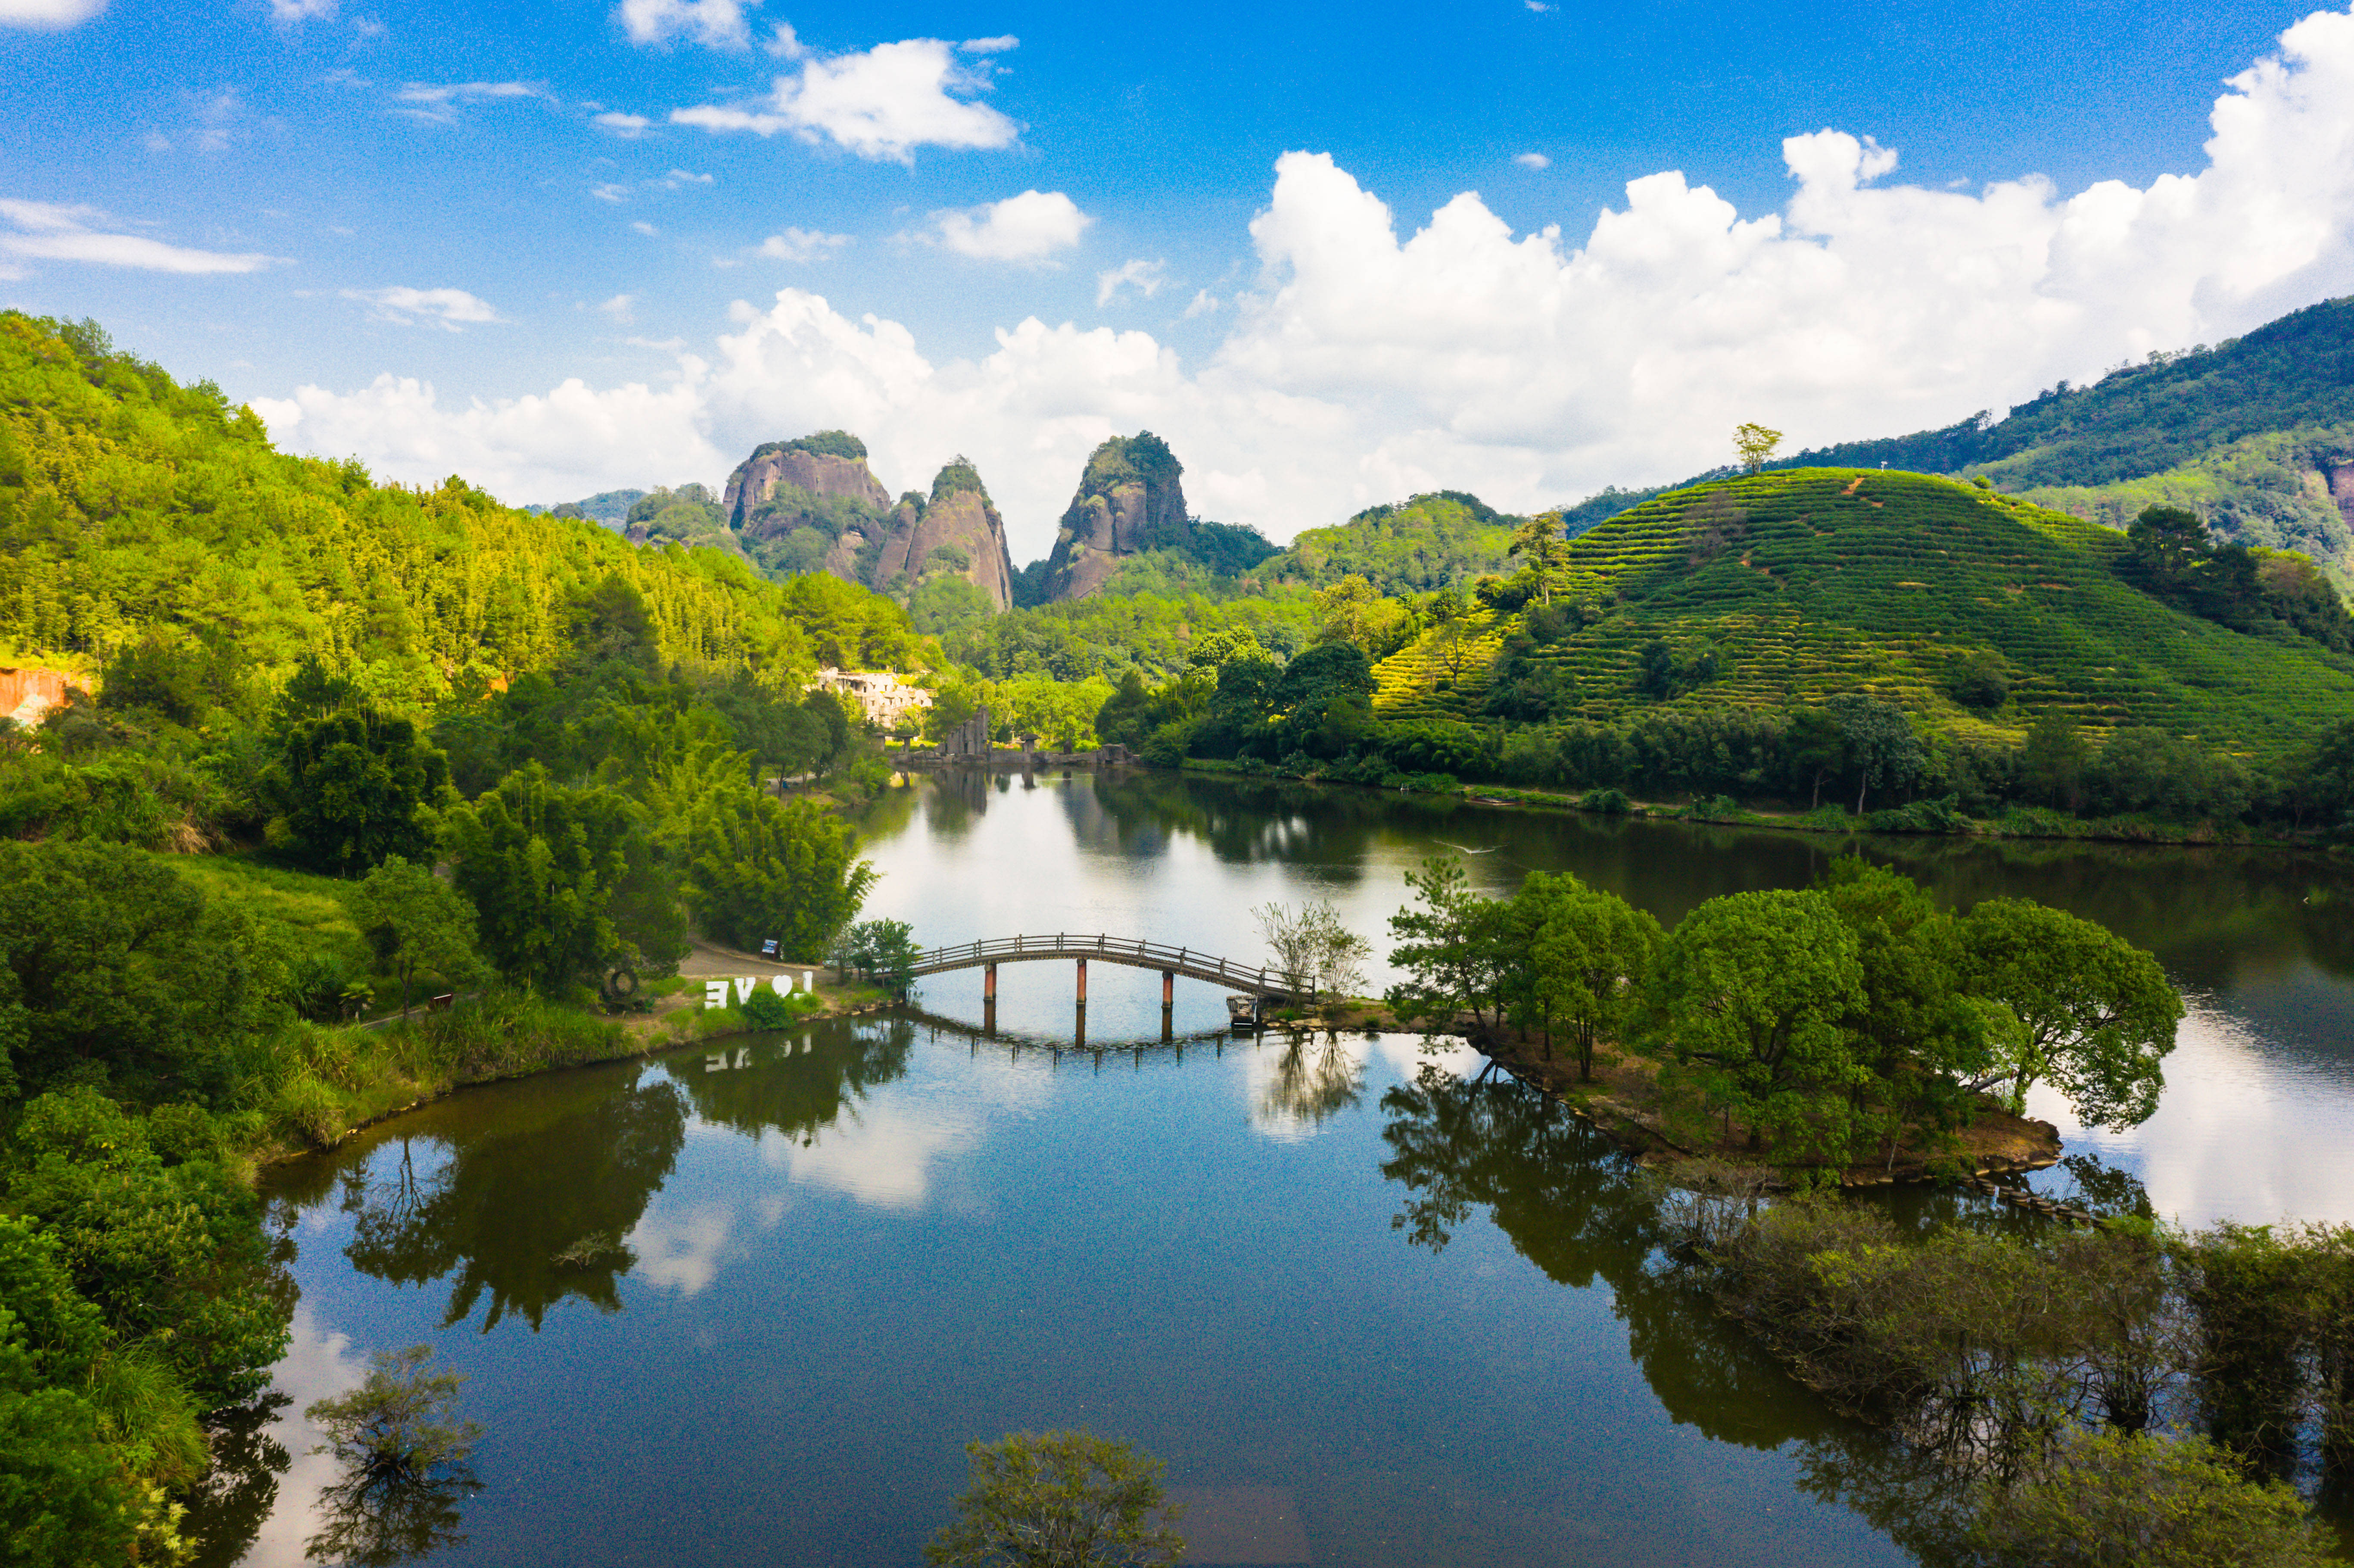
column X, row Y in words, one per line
column 2257, row 433
column 132, row 506
column 1445, row 538
column 1973, row 609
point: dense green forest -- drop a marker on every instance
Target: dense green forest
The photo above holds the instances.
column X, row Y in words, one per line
column 293, row 692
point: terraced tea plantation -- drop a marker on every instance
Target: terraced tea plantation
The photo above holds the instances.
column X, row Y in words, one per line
column 1811, row 582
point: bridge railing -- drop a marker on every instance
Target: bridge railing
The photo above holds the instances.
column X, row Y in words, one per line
column 1065, row 944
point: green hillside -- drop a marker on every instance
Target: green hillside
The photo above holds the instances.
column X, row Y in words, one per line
column 1446, row 539
column 132, row 506
column 2145, row 419
column 2249, row 433
column 1790, row 586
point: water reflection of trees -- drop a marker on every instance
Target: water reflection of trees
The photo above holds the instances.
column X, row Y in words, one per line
column 1311, row 1080
column 798, row 1085
column 529, row 1205
column 532, row 1196
column 371, row 1522
column 233, row 1501
column 1578, row 1210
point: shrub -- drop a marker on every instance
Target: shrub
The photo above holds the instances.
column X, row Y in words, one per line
column 2116, row 1498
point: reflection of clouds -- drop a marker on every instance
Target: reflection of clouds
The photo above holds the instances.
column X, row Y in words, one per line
column 682, row 1251
column 2247, row 1130
column 317, row 1365
column 882, row 1157
column 1406, row 1055
column 886, row 1153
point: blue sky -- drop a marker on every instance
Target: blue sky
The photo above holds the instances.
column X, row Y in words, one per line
column 567, row 246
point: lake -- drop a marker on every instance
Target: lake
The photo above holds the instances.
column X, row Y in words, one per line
column 746, row 1304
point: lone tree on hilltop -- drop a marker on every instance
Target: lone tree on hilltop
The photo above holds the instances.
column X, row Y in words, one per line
column 1542, row 540
column 1756, row 444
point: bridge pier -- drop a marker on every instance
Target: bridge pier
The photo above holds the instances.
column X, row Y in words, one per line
column 988, row 985
column 1168, row 991
column 1083, row 985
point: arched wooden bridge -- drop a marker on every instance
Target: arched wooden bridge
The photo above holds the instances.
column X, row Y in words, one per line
column 1259, row 981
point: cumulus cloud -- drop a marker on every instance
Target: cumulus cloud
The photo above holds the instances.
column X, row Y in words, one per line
column 520, row 446
column 623, row 308
column 996, row 46
column 1368, row 359
column 302, row 10
column 1533, row 160
column 1026, row 228
column 679, row 179
column 628, row 126
column 48, row 231
column 449, row 309
column 883, row 103
column 801, row 245
column 1144, row 277
column 714, row 24
column 47, row 14
column 609, row 191
column 439, row 101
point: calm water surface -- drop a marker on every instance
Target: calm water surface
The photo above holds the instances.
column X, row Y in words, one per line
column 1365, row 1320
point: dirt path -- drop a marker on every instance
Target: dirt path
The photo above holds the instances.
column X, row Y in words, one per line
column 709, row 960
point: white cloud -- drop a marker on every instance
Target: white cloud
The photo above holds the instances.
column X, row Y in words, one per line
column 801, row 245
column 50, row 232
column 609, row 191
column 1533, row 160
column 678, row 179
column 449, row 309
column 302, row 10
column 1026, row 228
column 215, row 112
column 522, row 446
column 628, row 126
column 621, row 308
column 1144, row 277
column 643, row 226
column 883, row 103
column 47, row 14
column 1540, row 6
column 439, row 103
column 1367, row 361
column 996, row 46
column 1203, row 304
column 714, row 24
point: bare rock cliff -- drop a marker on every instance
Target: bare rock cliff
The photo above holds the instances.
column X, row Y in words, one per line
column 1129, row 501
column 771, row 491
column 955, row 532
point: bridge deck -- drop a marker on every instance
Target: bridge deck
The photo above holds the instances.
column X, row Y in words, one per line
column 1140, row 955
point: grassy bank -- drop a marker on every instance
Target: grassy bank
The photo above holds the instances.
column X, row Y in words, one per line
column 1936, row 819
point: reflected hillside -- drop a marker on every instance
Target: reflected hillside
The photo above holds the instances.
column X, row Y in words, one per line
column 797, row 1084
column 1580, row 1211
column 528, row 1202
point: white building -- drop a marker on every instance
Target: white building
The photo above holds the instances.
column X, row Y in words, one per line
column 884, row 698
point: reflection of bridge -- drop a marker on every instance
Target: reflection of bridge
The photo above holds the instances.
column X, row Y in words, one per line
column 1262, row 983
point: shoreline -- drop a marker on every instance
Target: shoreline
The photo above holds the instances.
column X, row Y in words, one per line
column 1513, row 797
